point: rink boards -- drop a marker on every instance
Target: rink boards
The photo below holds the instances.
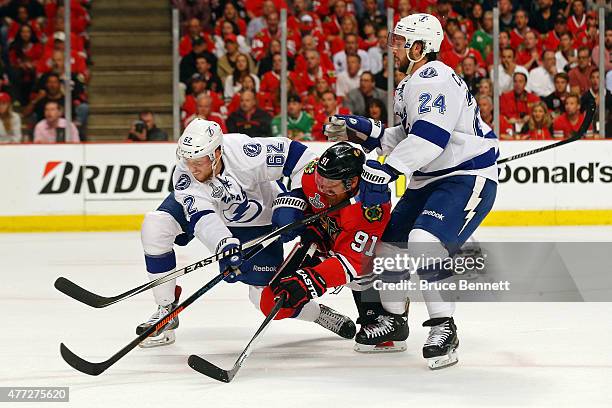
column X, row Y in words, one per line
column 109, row 186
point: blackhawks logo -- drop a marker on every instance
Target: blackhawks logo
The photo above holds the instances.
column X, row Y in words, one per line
column 310, row 167
column 373, row 214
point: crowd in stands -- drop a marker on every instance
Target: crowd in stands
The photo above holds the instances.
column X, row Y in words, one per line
column 32, row 75
column 337, row 56
column 230, row 68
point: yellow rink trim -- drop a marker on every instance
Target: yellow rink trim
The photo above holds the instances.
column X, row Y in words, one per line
column 66, row 223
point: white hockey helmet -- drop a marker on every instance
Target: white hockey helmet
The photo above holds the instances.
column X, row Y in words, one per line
column 417, row 27
column 200, row 139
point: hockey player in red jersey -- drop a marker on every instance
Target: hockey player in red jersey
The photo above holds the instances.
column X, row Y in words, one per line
column 345, row 240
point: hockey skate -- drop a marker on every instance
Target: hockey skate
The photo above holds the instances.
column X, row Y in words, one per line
column 384, row 333
column 440, row 349
column 335, row 322
column 165, row 336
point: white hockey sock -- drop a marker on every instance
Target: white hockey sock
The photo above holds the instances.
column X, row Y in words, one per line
column 309, row 312
column 164, row 294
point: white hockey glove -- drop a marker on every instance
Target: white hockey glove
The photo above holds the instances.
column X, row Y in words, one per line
column 355, row 129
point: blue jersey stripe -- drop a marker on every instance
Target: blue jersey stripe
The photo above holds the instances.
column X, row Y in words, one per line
column 431, row 133
column 482, row 161
column 490, row 135
column 296, row 150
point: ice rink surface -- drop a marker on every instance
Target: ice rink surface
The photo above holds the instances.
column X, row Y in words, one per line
column 511, row 354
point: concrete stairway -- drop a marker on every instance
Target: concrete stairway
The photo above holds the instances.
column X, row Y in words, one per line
column 131, row 45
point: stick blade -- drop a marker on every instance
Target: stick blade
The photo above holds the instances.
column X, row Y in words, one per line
column 209, row 369
column 81, row 365
column 76, row 292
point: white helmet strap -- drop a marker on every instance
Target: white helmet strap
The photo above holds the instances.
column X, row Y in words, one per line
column 412, row 61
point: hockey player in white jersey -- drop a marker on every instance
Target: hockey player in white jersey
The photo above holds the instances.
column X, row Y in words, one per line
column 448, row 154
column 224, row 188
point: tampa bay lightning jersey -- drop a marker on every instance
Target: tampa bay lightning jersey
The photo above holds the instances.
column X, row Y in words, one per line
column 441, row 132
column 242, row 194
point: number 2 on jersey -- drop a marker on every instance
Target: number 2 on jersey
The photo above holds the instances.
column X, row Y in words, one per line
column 439, row 103
column 361, row 240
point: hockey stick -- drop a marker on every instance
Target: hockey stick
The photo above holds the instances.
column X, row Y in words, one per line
column 586, row 122
column 94, row 300
column 97, row 368
column 292, row 262
column 90, row 368
column 209, row 369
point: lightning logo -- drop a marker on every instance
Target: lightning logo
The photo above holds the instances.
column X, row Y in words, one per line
column 473, row 202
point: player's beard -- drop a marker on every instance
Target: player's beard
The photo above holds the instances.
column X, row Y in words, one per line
column 401, row 62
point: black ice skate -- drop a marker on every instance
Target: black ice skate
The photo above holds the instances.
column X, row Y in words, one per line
column 442, row 342
column 333, row 321
column 165, row 336
column 383, row 333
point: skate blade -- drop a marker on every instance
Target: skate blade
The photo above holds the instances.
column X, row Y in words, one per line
column 448, row 360
column 164, row 339
column 386, row 347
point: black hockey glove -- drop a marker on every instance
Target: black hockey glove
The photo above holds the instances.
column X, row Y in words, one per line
column 299, row 287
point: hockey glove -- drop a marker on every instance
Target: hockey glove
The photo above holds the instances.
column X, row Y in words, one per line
column 299, row 287
column 355, row 129
column 373, row 185
column 233, row 261
column 287, row 208
column 316, row 234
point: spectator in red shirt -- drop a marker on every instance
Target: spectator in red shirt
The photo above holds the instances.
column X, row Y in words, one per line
column 517, row 35
column 246, row 82
column 460, row 50
column 331, row 25
column 590, row 36
column 330, row 105
column 261, row 41
column 23, row 18
column 529, row 53
column 310, row 43
column 451, row 26
column 271, row 79
column 230, row 13
column 79, row 18
column 194, row 30
column 516, row 105
column 197, row 87
column 579, row 75
column 576, row 22
column 24, row 54
column 569, row 122
column 204, row 111
column 556, row 100
column 307, row 79
column 553, row 38
column 539, row 125
column 45, row 63
column 77, row 42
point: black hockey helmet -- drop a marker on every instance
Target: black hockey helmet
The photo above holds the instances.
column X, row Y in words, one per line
column 341, row 162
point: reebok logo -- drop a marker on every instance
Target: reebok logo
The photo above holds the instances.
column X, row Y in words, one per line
column 433, row 214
